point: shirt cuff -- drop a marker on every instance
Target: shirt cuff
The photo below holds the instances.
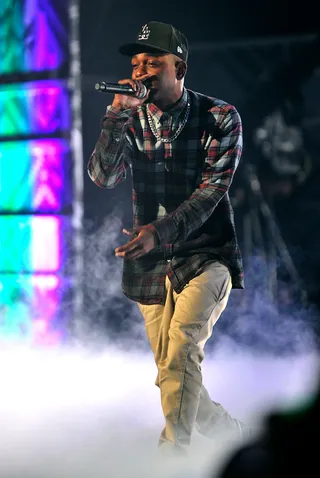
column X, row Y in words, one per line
column 114, row 114
column 167, row 251
column 165, row 228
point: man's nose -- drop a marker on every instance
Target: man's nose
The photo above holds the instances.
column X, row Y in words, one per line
column 141, row 72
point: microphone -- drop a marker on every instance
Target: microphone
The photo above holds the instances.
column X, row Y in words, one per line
column 120, row 89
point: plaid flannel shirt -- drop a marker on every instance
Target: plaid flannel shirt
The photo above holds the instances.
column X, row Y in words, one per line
column 179, row 187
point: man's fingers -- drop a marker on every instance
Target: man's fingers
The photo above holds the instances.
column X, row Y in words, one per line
column 135, row 254
column 130, row 82
column 140, row 243
column 122, row 251
column 127, row 247
column 130, row 232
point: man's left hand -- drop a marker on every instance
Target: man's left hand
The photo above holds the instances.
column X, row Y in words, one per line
column 144, row 242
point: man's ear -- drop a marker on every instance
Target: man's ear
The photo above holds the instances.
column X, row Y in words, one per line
column 181, row 69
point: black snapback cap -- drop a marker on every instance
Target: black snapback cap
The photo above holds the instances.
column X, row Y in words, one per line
column 157, row 36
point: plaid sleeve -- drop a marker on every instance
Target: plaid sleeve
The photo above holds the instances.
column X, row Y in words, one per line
column 222, row 160
column 112, row 154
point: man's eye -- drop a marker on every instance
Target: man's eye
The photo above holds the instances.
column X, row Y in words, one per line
column 153, row 64
column 134, row 66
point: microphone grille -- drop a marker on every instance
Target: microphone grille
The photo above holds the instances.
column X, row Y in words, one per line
column 143, row 93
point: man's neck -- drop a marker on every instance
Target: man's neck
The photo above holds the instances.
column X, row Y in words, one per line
column 165, row 104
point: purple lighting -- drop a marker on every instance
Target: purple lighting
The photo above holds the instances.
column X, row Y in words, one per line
column 34, row 108
column 36, row 168
column 47, row 174
column 29, row 308
column 42, row 21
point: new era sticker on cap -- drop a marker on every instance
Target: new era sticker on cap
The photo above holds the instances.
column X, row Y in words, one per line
column 179, row 49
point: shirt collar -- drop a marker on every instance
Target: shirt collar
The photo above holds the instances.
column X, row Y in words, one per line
column 174, row 111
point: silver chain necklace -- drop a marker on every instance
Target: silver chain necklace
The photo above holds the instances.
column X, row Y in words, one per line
column 176, row 134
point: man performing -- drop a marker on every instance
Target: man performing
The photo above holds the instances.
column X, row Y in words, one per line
column 182, row 258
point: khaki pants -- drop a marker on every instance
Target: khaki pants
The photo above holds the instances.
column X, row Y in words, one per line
column 177, row 332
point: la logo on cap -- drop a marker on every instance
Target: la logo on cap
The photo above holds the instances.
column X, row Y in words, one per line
column 144, row 34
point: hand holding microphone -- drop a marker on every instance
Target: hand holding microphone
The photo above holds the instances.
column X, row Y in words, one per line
column 129, row 93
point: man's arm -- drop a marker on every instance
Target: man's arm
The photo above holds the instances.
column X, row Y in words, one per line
column 223, row 158
column 113, row 153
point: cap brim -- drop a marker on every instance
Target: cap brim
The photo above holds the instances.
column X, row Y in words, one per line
column 131, row 49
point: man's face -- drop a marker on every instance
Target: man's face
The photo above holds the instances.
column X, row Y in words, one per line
column 161, row 70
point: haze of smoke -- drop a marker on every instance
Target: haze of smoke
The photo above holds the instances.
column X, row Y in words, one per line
column 94, row 410
column 107, row 312
column 251, row 318
column 73, row 414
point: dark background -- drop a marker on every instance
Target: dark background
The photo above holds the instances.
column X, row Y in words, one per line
column 256, row 55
